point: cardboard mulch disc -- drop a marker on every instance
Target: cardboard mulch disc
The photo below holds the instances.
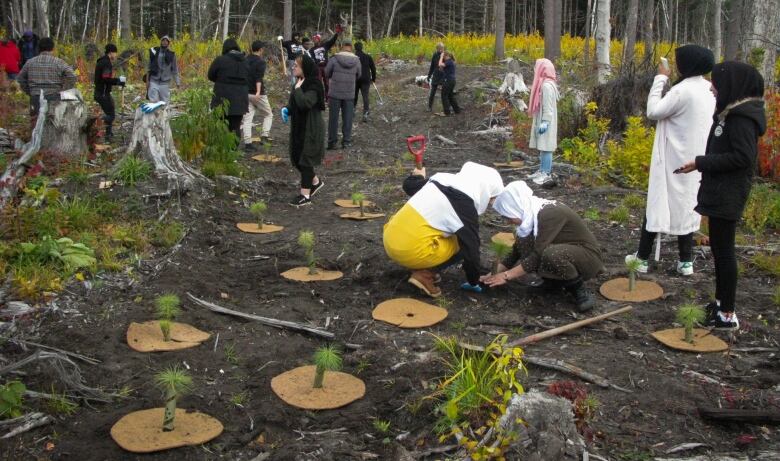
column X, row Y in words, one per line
column 703, row 340
column 147, row 337
column 504, row 237
column 617, row 290
column 141, row 431
column 512, row 164
column 355, row 215
column 301, row 274
column 338, row 389
column 267, row 158
column 347, row 203
column 253, row 228
column 408, row 313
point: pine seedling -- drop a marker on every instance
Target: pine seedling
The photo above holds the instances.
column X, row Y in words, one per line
column 688, row 315
column 258, row 210
column 501, row 250
column 167, row 310
column 326, row 358
column 509, row 146
column 632, row 266
column 174, row 382
column 306, row 240
column 357, row 199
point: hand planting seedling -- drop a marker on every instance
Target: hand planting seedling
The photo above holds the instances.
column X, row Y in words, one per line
column 174, row 382
column 258, row 210
column 326, row 358
column 167, row 310
column 689, row 315
column 306, row 241
column 357, row 199
column 501, row 250
column 633, row 266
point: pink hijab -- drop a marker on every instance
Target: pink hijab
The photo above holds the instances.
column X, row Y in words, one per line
column 543, row 71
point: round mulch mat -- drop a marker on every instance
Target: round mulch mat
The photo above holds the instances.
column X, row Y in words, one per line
column 703, row 340
column 408, row 313
column 347, row 203
column 147, row 337
column 617, row 290
column 338, row 389
column 141, row 431
column 507, row 238
column 254, row 228
column 301, row 274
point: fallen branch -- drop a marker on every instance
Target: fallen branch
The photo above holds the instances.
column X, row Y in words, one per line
column 565, row 367
column 703, row 378
column 29, row 421
column 284, row 324
column 433, row 451
column 566, row 328
column 83, row 358
column 444, row 140
column 740, row 416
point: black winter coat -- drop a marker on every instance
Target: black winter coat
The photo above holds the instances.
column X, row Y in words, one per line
column 230, row 76
column 367, row 67
column 256, row 66
column 104, row 77
column 730, row 160
column 434, row 72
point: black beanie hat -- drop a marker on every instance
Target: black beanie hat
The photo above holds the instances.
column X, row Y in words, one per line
column 111, row 48
column 693, row 60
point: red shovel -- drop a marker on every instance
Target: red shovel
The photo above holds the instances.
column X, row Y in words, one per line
column 418, row 150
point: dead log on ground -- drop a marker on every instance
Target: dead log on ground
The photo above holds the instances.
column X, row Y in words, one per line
column 560, row 365
column 9, row 182
column 26, row 423
column 727, row 415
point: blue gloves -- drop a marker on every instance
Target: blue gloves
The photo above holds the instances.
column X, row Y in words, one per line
column 149, row 107
column 285, row 114
column 472, row 288
column 543, row 127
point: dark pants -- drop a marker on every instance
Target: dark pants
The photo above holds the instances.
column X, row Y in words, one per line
column 234, row 124
column 560, row 261
column 347, row 108
column 307, row 172
column 448, row 101
column 365, row 87
column 722, row 233
column 432, row 94
column 107, row 104
column 646, row 239
column 323, row 78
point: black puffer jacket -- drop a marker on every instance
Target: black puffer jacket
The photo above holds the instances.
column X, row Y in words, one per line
column 230, row 75
column 730, row 160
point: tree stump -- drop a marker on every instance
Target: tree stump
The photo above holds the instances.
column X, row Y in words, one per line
column 152, row 140
column 66, row 128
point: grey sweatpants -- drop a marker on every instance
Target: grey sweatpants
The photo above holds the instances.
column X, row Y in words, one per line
column 159, row 91
column 347, row 108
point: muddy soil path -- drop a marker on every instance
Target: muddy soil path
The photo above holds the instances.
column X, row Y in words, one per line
column 218, row 263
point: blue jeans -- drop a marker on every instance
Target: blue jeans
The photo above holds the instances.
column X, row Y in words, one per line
column 545, row 162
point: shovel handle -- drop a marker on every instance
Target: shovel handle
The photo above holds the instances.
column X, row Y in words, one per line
column 417, row 152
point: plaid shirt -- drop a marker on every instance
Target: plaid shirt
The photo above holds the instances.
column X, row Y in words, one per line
column 48, row 73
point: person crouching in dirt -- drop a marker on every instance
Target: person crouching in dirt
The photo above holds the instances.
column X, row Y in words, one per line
column 439, row 225
column 543, row 109
column 307, row 127
column 104, row 81
column 448, row 101
column 551, row 240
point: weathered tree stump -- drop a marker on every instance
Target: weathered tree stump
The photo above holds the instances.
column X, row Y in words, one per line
column 66, row 127
column 152, row 139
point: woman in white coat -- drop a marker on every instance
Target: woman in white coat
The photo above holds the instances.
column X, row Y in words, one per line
column 543, row 108
column 684, row 118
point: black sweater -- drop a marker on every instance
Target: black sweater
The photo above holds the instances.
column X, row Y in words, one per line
column 104, row 76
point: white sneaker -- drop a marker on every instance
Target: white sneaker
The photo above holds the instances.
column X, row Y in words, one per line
column 534, row 175
column 542, row 178
column 643, row 265
column 684, row 268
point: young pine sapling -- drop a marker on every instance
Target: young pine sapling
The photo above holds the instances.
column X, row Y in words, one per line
column 688, row 315
column 509, row 146
column 357, row 199
column 306, row 240
column 326, row 358
column 167, row 310
column 501, row 250
column 258, row 210
column 174, row 382
column 632, row 266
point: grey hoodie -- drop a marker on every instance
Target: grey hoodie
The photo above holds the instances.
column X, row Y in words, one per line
column 342, row 71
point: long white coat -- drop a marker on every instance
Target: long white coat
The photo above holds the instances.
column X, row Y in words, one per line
column 684, row 118
column 548, row 111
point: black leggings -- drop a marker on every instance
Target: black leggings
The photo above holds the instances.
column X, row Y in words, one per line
column 722, row 233
column 234, row 124
column 646, row 239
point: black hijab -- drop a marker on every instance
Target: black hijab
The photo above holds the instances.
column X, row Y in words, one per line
column 693, row 60
column 735, row 81
column 311, row 80
column 230, row 45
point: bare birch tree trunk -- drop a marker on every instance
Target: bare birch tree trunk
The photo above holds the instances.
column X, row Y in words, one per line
column 765, row 36
column 288, row 19
column 630, row 39
column 500, row 9
column 648, row 17
column 369, row 31
column 86, row 21
column 126, row 30
column 392, row 17
column 462, row 16
column 420, row 27
column 226, row 18
column 717, row 35
column 603, row 32
column 42, row 6
column 588, row 23
column 734, row 28
column 552, row 29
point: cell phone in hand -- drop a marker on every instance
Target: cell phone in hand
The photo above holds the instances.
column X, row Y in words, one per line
column 678, row 170
column 665, row 63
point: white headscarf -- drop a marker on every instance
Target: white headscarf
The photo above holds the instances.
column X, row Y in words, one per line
column 479, row 182
column 518, row 201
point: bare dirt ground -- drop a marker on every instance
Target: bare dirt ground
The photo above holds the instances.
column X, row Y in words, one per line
column 218, row 263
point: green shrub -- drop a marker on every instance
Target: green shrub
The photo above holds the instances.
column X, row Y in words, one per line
column 619, row 215
column 767, row 263
column 11, row 399
column 763, row 209
column 592, row 214
column 631, row 157
column 584, row 150
column 634, row 202
column 131, row 170
column 166, row 234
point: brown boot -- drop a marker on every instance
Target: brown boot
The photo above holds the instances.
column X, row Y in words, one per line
column 424, row 280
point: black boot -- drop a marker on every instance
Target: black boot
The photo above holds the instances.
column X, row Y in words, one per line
column 583, row 298
column 109, row 134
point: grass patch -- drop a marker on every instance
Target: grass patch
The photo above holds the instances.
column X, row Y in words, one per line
column 619, row 215
column 592, row 214
column 166, row 234
column 634, row 202
column 767, row 263
column 132, row 170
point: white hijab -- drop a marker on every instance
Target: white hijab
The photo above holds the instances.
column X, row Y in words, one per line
column 479, row 182
column 518, row 201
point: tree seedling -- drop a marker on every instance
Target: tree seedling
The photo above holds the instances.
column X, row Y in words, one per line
column 174, row 382
column 306, row 240
column 632, row 266
column 501, row 250
column 258, row 210
column 167, row 310
column 688, row 315
column 357, row 199
column 326, row 358
column 509, row 146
